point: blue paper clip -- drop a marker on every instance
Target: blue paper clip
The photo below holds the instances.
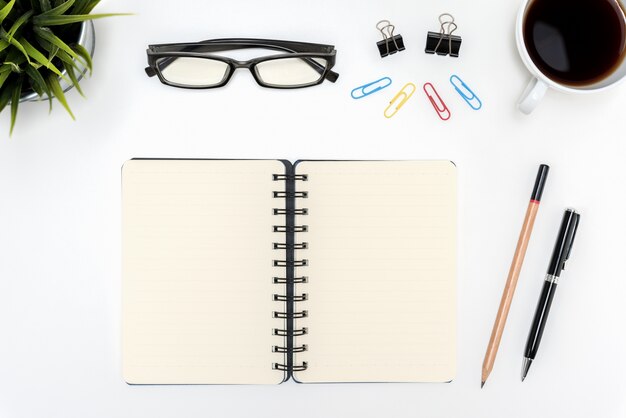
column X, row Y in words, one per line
column 362, row 91
column 470, row 98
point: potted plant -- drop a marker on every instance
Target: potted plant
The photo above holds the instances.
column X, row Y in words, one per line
column 45, row 49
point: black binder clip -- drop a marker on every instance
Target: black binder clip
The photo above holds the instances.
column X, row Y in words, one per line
column 391, row 43
column 444, row 42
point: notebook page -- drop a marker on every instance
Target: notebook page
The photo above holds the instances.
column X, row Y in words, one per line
column 197, row 271
column 381, row 271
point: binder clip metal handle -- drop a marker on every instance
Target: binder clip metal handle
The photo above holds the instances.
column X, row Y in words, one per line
column 390, row 43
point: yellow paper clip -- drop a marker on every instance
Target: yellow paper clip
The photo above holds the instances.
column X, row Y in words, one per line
column 403, row 95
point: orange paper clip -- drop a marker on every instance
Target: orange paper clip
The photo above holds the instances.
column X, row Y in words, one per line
column 440, row 107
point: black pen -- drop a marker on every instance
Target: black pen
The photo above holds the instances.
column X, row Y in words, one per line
column 561, row 252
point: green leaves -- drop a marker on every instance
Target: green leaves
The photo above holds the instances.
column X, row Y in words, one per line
column 39, row 57
column 55, row 87
column 49, row 20
column 12, row 93
column 19, row 22
column 4, row 12
column 5, row 36
column 3, row 45
column 83, row 7
column 45, row 5
column 5, row 72
column 84, row 54
column 35, row 6
column 38, row 83
column 70, row 69
column 47, row 35
column 39, row 48
column 5, row 96
column 15, row 101
column 12, row 66
column 59, row 10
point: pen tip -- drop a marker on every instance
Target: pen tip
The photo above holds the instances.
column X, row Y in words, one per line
column 482, row 383
column 525, row 367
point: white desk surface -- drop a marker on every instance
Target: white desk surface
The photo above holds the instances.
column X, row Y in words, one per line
column 60, row 208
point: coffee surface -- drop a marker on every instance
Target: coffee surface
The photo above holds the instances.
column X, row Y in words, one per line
column 575, row 42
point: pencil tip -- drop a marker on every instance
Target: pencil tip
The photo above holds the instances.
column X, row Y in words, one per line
column 482, row 383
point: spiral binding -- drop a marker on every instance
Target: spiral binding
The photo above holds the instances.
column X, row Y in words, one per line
column 291, row 195
column 289, row 228
column 302, row 177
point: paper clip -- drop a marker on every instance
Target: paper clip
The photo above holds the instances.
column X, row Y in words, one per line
column 370, row 88
column 462, row 88
column 440, row 107
column 403, row 95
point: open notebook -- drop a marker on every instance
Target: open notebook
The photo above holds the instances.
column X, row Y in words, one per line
column 255, row 271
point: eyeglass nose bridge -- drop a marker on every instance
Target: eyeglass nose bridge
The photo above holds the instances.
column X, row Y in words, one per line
column 241, row 64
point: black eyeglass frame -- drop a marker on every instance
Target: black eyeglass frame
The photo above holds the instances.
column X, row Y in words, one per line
column 307, row 51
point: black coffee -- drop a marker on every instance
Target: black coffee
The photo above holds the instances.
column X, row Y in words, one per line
column 575, row 42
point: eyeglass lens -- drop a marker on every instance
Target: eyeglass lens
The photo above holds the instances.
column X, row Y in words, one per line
column 192, row 72
column 291, row 71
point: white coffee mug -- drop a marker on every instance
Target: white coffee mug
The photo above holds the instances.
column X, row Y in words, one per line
column 540, row 83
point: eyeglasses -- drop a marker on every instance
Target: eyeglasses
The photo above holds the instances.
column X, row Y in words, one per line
column 196, row 65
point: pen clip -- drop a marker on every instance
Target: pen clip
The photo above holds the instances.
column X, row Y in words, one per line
column 575, row 221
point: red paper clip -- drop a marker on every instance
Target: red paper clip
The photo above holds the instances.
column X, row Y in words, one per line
column 440, row 107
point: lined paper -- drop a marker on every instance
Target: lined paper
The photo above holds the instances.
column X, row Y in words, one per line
column 197, row 271
column 382, row 271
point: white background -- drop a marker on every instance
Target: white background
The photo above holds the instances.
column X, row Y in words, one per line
column 60, row 208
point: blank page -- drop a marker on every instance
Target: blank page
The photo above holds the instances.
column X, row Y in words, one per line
column 381, row 271
column 197, row 271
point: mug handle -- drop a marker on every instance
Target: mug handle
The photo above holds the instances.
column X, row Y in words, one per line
column 534, row 92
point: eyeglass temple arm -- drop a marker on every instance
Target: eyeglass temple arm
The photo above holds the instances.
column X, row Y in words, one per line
column 290, row 46
column 330, row 75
